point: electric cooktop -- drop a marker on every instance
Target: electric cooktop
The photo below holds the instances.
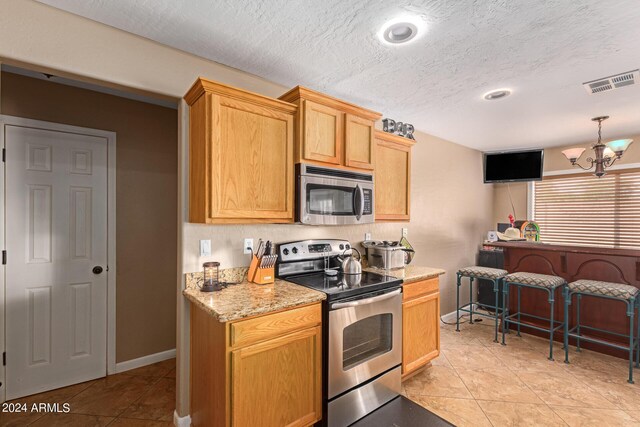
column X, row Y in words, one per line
column 341, row 286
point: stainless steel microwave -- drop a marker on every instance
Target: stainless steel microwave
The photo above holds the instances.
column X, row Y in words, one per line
column 331, row 196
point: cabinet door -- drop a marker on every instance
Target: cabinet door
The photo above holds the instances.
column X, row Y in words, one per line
column 323, row 133
column 393, row 181
column 359, row 144
column 420, row 332
column 252, row 162
column 278, row 382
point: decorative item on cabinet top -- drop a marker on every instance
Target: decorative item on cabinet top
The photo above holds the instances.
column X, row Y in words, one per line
column 398, row 128
column 332, row 132
column 241, row 146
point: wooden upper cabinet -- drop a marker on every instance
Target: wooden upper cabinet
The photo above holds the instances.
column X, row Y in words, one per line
column 323, row 138
column 360, row 151
column 392, row 177
column 332, row 132
column 240, row 156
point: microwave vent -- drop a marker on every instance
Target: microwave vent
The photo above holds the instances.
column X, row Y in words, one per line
column 612, row 82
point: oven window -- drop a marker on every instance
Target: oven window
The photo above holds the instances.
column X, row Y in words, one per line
column 366, row 339
column 328, row 200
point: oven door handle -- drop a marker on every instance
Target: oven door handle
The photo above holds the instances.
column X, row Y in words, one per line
column 371, row 300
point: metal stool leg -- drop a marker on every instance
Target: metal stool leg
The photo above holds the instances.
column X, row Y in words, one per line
column 470, row 299
column 551, row 301
column 638, row 337
column 567, row 302
column 630, row 311
column 578, row 323
column 458, row 304
column 496, row 290
column 519, row 287
column 505, row 308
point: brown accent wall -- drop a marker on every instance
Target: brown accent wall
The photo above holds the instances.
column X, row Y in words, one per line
column 146, row 200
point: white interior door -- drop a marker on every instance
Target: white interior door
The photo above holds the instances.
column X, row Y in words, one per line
column 56, row 233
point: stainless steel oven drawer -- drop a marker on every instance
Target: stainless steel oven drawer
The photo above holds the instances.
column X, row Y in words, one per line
column 350, row 407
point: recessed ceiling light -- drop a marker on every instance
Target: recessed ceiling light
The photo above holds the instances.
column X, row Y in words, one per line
column 497, row 94
column 401, row 30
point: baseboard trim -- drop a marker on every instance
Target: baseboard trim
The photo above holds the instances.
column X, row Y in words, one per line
column 144, row 360
column 179, row 421
column 449, row 317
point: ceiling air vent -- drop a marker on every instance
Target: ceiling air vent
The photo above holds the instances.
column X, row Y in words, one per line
column 612, row 82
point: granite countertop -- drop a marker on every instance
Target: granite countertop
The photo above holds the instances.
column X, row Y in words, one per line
column 247, row 299
column 410, row 273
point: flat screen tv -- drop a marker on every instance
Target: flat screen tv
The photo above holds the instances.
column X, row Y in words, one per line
column 511, row 166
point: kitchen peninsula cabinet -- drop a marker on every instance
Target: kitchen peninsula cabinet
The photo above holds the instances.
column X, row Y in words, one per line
column 240, row 156
column 258, row 371
column 420, row 324
column 332, row 132
column 392, row 177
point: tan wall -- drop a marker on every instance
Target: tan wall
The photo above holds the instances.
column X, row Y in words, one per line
column 451, row 208
column 554, row 160
column 146, row 201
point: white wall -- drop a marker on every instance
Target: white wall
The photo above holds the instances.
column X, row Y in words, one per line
column 451, row 208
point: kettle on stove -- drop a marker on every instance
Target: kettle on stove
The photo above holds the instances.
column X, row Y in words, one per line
column 350, row 265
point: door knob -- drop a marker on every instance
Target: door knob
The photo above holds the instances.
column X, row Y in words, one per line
column 97, row 269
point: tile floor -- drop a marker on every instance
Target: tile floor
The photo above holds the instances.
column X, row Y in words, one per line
column 476, row 382
column 143, row 397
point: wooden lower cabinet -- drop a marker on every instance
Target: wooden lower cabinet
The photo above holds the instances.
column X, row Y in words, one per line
column 420, row 325
column 270, row 379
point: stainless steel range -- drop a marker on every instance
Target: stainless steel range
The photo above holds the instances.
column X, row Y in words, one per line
column 362, row 334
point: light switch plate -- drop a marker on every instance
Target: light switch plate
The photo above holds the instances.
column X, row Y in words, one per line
column 367, row 236
column 205, row 247
column 405, row 231
column 248, row 243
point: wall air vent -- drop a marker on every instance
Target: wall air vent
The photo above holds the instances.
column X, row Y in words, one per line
column 612, row 82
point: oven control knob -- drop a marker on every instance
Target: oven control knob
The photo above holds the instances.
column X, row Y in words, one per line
column 347, row 246
column 341, row 246
column 285, row 251
column 294, row 250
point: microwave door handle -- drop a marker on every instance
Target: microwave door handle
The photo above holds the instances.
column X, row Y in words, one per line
column 371, row 300
column 359, row 202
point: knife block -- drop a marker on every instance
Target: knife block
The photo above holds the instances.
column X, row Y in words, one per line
column 259, row 275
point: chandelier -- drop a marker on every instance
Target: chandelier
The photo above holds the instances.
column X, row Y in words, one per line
column 606, row 154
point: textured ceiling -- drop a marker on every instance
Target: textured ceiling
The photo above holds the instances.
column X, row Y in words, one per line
column 542, row 50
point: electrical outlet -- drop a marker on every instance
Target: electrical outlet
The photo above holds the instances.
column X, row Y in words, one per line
column 248, row 246
column 405, row 231
column 367, row 236
column 205, row 247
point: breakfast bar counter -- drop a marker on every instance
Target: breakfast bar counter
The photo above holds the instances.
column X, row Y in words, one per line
column 572, row 263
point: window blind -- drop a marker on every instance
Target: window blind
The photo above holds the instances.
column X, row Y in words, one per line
column 585, row 210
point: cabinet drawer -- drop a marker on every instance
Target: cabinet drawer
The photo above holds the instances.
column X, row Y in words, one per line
column 422, row 287
column 269, row 326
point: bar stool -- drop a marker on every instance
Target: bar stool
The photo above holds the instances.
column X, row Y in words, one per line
column 615, row 291
column 495, row 275
column 535, row 281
